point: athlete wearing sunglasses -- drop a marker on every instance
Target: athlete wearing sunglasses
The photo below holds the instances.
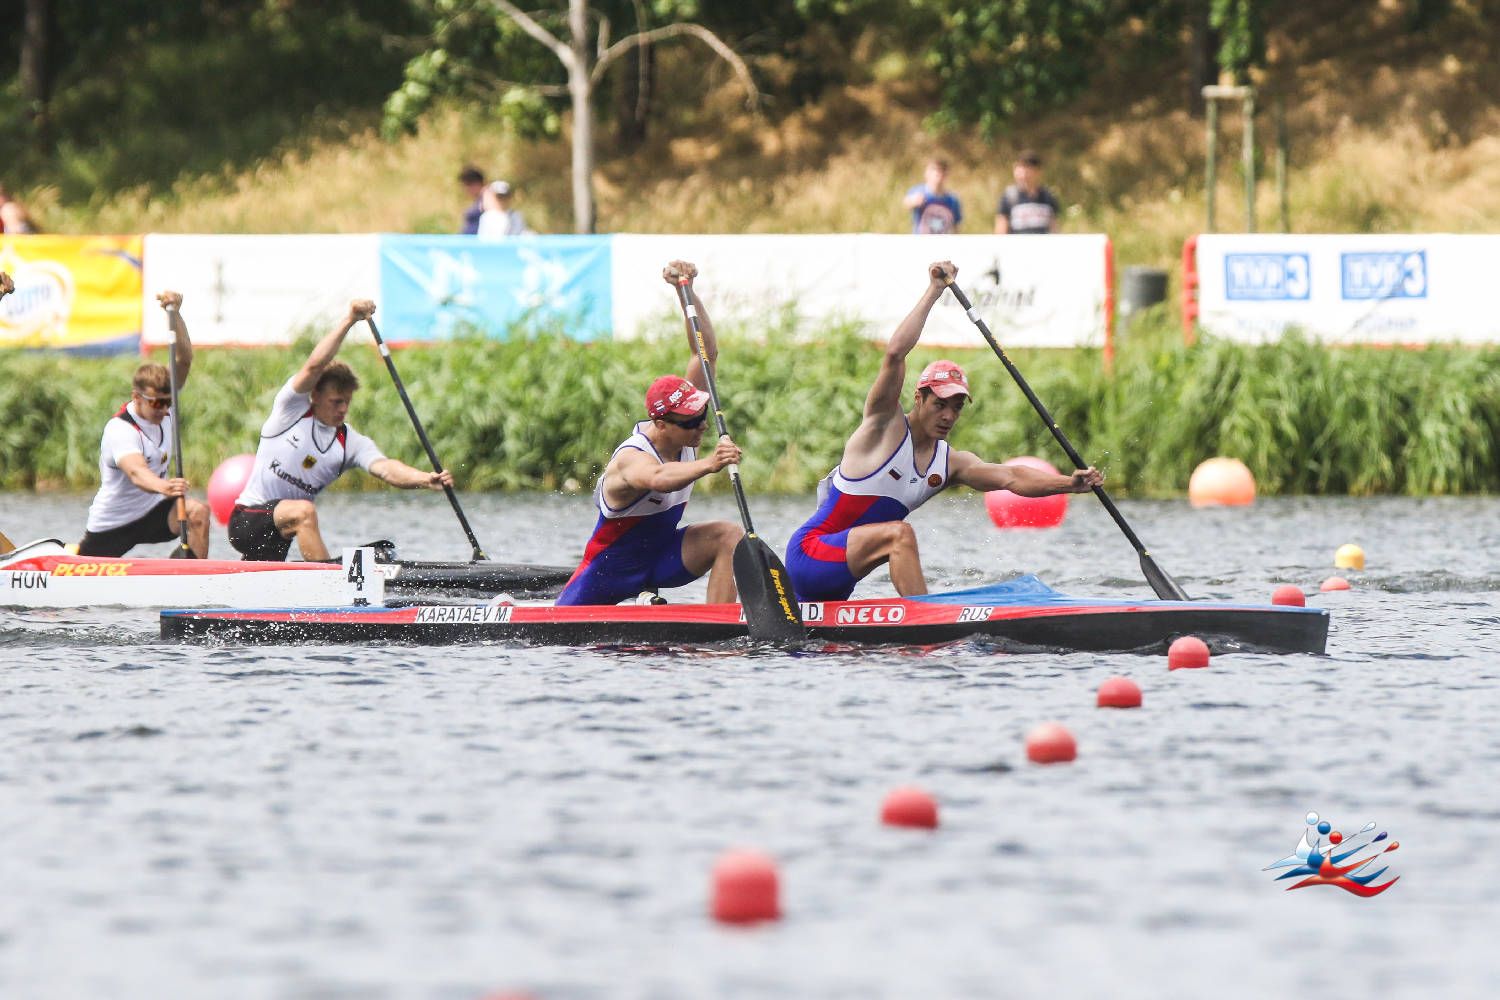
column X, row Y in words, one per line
column 638, row 543
column 137, row 499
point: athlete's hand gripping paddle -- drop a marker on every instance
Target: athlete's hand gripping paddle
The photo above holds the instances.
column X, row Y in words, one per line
column 416, row 422
column 1166, row 588
column 183, row 550
column 772, row 613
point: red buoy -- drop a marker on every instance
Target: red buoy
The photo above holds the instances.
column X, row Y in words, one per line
column 745, row 888
column 1119, row 692
column 226, row 484
column 1050, row 743
column 1289, row 595
column 1187, row 652
column 1011, row 510
column 909, row 806
column 1335, row 583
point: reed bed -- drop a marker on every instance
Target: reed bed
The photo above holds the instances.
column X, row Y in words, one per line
column 1306, row 419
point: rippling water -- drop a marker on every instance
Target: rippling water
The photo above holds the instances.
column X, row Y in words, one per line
column 332, row 822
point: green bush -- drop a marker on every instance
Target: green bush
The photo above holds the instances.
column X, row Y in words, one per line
column 544, row 412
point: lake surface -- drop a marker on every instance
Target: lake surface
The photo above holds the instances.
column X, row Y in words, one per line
column 351, row 822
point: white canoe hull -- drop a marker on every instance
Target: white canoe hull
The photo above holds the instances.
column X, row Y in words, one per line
column 43, row 575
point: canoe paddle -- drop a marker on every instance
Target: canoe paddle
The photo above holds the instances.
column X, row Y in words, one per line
column 183, row 550
column 1166, row 588
column 416, row 422
column 772, row 613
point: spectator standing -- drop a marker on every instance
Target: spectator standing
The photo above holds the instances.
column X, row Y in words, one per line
column 934, row 209
column 473, row 182
column 13, row 216
column 1027, row 206
column 498, row 218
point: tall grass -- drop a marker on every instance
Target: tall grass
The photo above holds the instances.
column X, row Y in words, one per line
column 1304, row 418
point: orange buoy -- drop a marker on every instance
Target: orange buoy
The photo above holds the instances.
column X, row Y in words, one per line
column 1188, row 652
column 1289, row 595
column 1335, row 583
column 1050, row 743
column 1119, row 692
column 1011, row 510
column 226, row 484
column 1221, row 482
column 1349, row 556
column 909, row 806
column 745, row 887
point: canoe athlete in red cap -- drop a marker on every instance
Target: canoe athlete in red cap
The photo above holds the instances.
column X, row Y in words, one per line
column 638, row 544
column 893, row 463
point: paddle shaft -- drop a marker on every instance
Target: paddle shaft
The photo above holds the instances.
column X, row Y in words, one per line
column 1157, row 577
column 416, row 422
column 182, row 524
column 713, row 395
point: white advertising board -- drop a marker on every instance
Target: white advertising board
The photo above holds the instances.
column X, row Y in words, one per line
column 1345, row 289
column 1033, row 291
column 257, row 290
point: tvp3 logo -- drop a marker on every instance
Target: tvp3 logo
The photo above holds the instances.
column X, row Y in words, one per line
column 1320, row 863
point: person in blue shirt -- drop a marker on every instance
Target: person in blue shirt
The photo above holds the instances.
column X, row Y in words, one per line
column 934, row 210
column 473, row 184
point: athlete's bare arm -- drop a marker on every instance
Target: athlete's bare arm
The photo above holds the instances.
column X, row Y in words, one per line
column 967, row 468
column 172, row 303
column 632, row 473
column 134, row 466
column 403, row 476
column 328, row 348
column 881, row 429
column 672, row 274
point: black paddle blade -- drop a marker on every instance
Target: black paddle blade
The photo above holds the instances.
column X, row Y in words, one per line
column 1166, row 588
column 183, row 552
column 771, row 609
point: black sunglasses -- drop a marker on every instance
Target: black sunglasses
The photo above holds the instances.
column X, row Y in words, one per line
column 688, row 425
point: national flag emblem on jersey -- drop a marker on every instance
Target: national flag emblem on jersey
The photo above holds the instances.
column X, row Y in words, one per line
column 309, row 462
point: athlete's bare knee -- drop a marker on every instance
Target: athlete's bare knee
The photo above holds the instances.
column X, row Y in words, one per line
column 903, row 536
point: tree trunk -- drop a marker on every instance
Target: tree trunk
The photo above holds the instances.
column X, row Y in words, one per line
column 33, row 75
column 633, row 103
column 581, row 91
column 1203, row 61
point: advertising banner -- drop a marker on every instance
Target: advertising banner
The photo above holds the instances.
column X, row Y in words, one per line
column 1344, row 289
column 438, row 287
column 77, row 293
column 258, row 290
column 1049, row 291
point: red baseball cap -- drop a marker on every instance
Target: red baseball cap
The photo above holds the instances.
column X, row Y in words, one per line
column 945, row 379
column 674, row 394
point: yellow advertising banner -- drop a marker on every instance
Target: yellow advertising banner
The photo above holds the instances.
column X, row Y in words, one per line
column 79, row 293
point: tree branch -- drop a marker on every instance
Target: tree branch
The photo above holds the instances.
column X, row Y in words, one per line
column 525, row 22
column 710, row 39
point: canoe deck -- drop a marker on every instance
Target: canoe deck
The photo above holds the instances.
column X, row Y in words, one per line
column 1022, row 613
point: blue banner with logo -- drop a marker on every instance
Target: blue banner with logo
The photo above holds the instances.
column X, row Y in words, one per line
column 440, row 287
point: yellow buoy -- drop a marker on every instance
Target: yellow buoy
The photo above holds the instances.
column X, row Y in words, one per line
column 1221, row 481
column 1349, row 556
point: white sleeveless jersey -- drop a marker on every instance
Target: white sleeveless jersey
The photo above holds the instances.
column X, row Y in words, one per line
column 653, row 502
column 119, row 501
column 897, row 479
column 298, row 455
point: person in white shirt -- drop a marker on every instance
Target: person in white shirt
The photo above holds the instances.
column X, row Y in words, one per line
column 304, row 446
column 498, row 218
column 137, row 502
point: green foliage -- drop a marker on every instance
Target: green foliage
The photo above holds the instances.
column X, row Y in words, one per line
column 1241, row 25
column 1304, row 418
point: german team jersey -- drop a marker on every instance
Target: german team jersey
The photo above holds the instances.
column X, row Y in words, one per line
column 628, row 542
column 816, row 554
column 119, row 501
column 298, row 455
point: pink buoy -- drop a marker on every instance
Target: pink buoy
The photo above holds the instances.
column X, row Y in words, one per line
column 1050, row 743
column 1289, row 595
column 1119, row 692
column 226, row 484
column 1010, row 510
column 1335, row 583
column 909, row 806
column 745, row 888
column 1221, row 481
column 1188, row 652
